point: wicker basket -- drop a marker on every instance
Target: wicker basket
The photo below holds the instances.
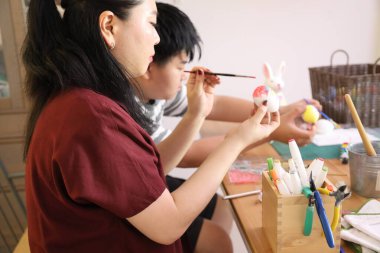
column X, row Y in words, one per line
column 361, row 81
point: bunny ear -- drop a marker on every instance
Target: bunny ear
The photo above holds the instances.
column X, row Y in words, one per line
column 267, row 70
column 281, row 69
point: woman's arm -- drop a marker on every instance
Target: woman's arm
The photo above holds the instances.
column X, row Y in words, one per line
column 166, row 219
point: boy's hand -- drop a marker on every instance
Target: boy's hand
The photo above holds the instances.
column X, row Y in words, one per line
column 289, row 129
column 257, row 127
column 300, row 105
column 200, row 92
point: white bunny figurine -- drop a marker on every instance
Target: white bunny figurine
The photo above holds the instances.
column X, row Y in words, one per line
column 275, row 82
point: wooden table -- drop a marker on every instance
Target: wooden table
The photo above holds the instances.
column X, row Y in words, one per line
column 23, row 244
column 248, row 210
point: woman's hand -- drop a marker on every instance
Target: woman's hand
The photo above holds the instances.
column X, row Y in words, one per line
column 200, row 92
column 257, row 127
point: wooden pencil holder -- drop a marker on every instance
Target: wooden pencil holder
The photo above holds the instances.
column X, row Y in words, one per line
column 283, row 219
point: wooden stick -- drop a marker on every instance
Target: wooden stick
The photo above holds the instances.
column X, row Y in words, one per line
column 243, row 194
column 367, row 143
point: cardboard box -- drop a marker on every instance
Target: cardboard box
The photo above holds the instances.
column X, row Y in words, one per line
column 283, row 220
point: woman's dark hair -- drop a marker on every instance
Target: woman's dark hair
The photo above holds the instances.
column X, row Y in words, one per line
column 177, row 33
column 59, row 53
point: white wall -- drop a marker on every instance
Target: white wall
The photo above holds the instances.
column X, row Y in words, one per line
column 240, row 35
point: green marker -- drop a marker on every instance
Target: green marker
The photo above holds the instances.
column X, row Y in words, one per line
column 270, row 166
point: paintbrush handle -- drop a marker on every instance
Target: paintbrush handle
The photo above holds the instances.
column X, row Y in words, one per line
column 367, row 143
column 226, row 74
column 222, row 74
column 336, row 125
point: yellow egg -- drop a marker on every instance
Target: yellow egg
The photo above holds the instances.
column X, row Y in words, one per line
column 311, row 114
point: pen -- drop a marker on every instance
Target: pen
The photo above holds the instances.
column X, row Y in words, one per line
column 243, row 194
column 325, row 115
column 222, row 74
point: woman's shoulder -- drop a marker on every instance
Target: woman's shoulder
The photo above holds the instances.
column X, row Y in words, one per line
column 85, row 108
column 86, row 100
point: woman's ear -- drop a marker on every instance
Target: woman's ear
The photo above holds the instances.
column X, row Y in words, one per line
column 106, row 24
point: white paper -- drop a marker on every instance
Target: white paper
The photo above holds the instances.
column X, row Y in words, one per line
column 369, row 224
column 340, row 136
column 354, row 235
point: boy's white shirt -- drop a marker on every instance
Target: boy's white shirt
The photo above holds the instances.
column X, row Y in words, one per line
column 175, row 107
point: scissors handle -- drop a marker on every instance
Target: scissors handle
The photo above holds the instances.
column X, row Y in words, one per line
column 335, row 220
column 324, row 221
column 308, row 221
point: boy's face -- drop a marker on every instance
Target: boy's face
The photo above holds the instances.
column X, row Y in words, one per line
column 164, row 81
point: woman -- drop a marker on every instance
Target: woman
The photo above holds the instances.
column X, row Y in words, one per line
column 94, row 180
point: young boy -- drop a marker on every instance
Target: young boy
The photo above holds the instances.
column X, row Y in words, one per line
column 209, row 231
column 179, row 39
column 165, row 95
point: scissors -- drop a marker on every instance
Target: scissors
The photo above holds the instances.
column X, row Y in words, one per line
column 322, row 214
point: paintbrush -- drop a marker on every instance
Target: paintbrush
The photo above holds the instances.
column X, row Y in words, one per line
column 222, row 74
column 336, row 125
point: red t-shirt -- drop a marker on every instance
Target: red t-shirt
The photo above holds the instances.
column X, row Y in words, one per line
column 89, row 166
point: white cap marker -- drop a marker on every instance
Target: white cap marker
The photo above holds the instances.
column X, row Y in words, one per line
column 297, row 158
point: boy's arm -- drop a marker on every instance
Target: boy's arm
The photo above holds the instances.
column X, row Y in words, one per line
column 237, row 110
column 200, row 101
column 230, row 109
column 175, row 146
column 288, row 129
column 233, row 109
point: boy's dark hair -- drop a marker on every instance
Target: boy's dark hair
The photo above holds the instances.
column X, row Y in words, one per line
column 177, row 33
column 61, row 53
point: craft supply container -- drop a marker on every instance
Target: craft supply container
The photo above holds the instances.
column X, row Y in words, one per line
column 283, row 219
